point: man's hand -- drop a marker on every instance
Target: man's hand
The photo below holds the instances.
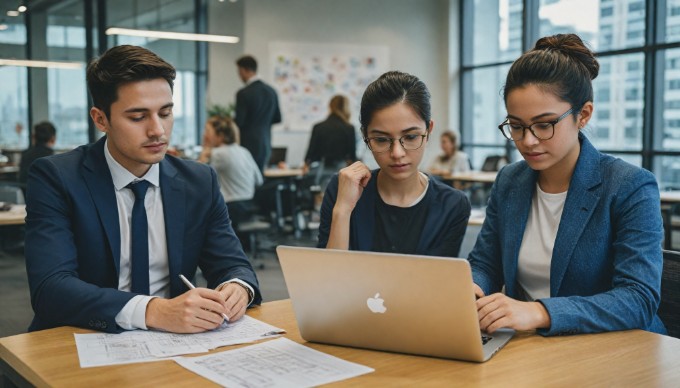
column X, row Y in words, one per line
column 236, row 298
column 498, row 310
column 194, row 311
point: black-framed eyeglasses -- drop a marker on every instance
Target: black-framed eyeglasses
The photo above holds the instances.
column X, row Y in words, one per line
column 409, row 142
column 541, row 131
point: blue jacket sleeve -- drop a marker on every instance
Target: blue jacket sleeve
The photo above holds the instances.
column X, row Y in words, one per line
column 58, row 295
column 637, row 262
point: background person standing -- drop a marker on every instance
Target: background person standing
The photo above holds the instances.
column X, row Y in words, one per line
column 257, row 108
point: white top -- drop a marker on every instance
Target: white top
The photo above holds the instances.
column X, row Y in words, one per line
column 535, row 253
column 457, row 163
column 237, row 172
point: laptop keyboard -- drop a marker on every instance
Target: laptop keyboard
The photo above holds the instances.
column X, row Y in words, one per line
column 485, row 339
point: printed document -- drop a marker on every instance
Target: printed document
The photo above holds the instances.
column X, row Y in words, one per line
column 277, row 363
column 100, row 349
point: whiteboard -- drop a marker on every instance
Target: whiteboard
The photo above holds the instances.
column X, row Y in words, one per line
column 307, row 75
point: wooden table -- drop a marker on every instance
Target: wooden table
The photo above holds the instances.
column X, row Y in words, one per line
column 282, row 172
column 632, row 358
column 477, row 217
column 15, row 216
column 472, row 176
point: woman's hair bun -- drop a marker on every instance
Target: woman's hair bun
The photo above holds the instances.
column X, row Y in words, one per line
column 572, row 46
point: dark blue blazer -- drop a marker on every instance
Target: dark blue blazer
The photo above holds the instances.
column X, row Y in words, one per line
column 605, row 272
column 447, row 210
column 257, row 108
column 73, row 236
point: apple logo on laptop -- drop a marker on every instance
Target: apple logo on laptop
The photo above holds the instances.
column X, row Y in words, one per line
column 375, row 304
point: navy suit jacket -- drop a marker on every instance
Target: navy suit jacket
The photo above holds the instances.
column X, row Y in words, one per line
column 73, row 236
column 447, row 210
column 257, row 108
column 605, row 271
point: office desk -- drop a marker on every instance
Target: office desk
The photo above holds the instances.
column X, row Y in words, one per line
column 14, row 216
column 9, row 172
column 472, row 176
column 477, row 217
column 282, row 173
column 633, row 358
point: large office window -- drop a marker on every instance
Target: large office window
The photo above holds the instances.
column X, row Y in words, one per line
column 69, row 31
column 166, row 15
column 14, row 81
column 637, row 93
column 66, row 97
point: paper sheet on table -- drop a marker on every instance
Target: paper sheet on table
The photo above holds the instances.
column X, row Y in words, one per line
column 139, row 345
column 276, row 363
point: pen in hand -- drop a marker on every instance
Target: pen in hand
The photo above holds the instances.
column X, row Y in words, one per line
column 191, row 287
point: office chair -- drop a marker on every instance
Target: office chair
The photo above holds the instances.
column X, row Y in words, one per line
column 669, row 309
column 254, row 228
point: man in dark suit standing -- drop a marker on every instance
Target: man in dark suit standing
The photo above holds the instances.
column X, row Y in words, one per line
column 112, row 225
column 257, row 108
column 44, row 137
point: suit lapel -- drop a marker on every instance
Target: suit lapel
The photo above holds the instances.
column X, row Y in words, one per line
column 173, row 193
column 583, row 196
column 516, row 204
column 100, row 184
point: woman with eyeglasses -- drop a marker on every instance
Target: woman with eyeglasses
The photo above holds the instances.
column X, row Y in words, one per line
column 395, row 208
column 574, row 235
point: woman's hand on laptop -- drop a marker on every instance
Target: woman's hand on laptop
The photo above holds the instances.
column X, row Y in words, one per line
column 498, row 310
column 478, row 290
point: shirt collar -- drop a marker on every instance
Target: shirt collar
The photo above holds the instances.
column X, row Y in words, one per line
column 122, row 177
column 252, row 79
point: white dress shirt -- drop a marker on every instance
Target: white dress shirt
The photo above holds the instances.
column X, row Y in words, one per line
column 133, row 314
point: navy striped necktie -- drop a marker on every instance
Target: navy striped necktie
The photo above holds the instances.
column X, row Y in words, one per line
column 139, row 233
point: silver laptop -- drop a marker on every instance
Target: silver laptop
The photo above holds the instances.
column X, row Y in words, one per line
column 402, row 303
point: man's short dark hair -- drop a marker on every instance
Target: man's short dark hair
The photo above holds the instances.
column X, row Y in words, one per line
column 247, row 62
column 43, row 132
column 120, row 65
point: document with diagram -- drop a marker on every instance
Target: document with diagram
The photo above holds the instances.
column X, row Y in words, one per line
column 277, row 363
column 100, row 349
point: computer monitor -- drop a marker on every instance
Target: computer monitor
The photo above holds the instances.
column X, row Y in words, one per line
column 278, row 155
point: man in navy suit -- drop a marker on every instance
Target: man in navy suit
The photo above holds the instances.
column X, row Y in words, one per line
column 257, row 108
column 83, row 267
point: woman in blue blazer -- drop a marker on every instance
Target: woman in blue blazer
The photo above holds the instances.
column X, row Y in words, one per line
column 395, row 208
column 574, row 235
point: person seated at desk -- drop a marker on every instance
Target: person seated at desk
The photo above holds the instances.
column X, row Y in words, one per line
column 395, row 208
column 237, row 172
column 574, row 235
column 452, row 160
column 44, row 136
column 333, row 139
column 111, row 225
